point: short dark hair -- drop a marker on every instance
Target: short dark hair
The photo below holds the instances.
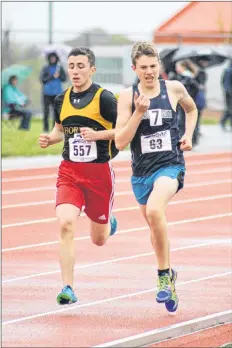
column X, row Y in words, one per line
column 11, row 78
column 84, row 51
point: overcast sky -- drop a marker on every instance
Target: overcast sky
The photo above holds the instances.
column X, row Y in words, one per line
column 138, row 18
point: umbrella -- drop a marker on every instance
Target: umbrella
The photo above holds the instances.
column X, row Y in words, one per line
column 61, row 50
column 212, row 55
column 166, row 56
column 21, row 71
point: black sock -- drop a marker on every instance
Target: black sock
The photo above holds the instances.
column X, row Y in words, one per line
column 163, row 272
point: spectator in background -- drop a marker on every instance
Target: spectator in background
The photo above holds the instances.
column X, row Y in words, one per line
column 227, row 89
column 163, row 75
column 200, row 99
column 185, row 75
column 15, row 102
column 51, row 76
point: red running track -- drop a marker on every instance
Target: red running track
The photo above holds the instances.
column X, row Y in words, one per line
column 216, row 336
column 115, row 283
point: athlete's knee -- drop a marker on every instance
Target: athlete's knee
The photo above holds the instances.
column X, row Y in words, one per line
column 66, row 228
column 99, row 233
column 154, row 214
column 99, row 241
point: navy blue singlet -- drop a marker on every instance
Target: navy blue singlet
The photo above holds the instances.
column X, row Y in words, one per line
column 156, row 142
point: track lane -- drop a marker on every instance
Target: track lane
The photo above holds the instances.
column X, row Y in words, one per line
column 135, row 310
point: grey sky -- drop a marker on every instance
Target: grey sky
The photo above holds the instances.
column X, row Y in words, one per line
column 138, row 18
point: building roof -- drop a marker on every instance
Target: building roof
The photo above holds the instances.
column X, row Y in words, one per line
column 203, row 20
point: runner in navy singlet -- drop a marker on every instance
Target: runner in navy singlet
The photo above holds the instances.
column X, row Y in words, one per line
column 147, row 120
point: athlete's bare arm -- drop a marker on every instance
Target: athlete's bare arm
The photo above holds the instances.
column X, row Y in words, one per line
column 56, row 136
column 127, row 124
column 90, row 134
column 187, row 103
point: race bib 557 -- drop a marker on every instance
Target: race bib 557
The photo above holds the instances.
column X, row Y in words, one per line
column 81, row 150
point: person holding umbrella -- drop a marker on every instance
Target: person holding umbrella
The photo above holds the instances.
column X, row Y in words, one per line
column 201, row 59
column 200, row 75
column 185, row 74
column 52, row 75
column 227, row 89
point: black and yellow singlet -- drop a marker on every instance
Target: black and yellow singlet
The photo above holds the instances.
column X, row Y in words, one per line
column 95, row 108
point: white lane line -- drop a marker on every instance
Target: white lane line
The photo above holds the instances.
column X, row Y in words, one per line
column 184, row 201
column 122, row 180
column 31, row 222
column 36, row 275
column 122, row 193
column 29, row 204
column 208, row 183
column 192, row 333
column 178, row 222
column 119, row 193
column 107, row 300
column 171, row 331
column 211, row 171
column 121, row 210
column 31, row 189
column 227, row 344
column 30, row 177
column 188, row 157
column 123, row 169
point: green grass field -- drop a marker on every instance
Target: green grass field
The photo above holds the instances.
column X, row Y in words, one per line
column 23, row 143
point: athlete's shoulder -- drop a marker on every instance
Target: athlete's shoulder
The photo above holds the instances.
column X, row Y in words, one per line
column 60, row 96
column 174, row 85
column 108, row 105
column 95, row 87
column 107, row 95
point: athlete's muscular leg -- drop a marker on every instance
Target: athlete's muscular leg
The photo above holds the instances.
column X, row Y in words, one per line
column 164, row 189
column 67, row 215
column 143, row 209
column 99, row 233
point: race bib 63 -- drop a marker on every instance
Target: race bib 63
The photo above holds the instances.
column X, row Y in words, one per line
column 159, row 141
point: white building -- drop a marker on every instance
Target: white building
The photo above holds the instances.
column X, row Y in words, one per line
column 113, row 65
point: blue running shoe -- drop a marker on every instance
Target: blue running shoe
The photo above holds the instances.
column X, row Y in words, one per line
column 172, row 304
column 113, row 224
column 164, row 288
column 66, row 296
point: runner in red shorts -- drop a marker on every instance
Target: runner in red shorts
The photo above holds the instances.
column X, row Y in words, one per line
column 85, row 120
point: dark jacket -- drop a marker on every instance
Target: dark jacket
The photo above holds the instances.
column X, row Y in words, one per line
column 52, row 86
column 227, row 80
column 190, row 83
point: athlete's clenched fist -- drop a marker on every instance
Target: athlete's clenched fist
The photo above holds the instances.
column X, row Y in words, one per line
column 44, row 140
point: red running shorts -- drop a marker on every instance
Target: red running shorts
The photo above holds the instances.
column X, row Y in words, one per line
column 88, row 186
